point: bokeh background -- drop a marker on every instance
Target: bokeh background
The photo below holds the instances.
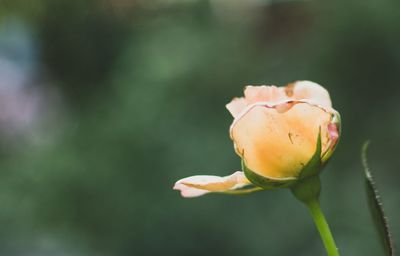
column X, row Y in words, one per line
column 105, row 104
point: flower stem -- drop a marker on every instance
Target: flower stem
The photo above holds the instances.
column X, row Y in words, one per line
column 307, row 191
column 323, row 227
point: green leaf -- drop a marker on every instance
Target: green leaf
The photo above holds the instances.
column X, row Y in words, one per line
column 314, row 165
column 376, row 207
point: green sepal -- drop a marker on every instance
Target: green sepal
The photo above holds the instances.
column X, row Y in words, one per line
column 308, row 186
column 313, row 166
column 242, row 191
column 264, row 182
column 308, row 189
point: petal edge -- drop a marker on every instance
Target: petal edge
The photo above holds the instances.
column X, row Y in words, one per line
column 199, row 185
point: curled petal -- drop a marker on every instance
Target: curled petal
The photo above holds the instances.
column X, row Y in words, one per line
column 199, row 185
column 307, row 90
column 334, row 135
column 236, row 106
column 333, row 132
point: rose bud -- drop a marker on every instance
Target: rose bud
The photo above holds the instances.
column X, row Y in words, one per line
column 282, row 134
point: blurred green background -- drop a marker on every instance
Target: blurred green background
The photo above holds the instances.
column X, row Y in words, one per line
column 105, row 104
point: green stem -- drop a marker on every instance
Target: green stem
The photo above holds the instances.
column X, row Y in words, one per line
column 307, row 191
column 323, row 227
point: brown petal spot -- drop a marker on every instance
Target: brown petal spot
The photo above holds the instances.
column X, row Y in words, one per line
column 289, row 89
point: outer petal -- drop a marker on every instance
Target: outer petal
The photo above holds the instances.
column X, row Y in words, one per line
column 236, row 106
column 202, row 184
column 278, row 144
column 263, row 93
column 308, row 90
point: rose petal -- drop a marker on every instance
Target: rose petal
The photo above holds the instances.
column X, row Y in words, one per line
column 255, row 94
column 202, row 184
column 189, row 192
column 236, row 106
column 278, row 144
column 309, row 90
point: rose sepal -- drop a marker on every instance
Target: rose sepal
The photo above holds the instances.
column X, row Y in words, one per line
column 314, row 165
column 266, row 182
column 312, row 168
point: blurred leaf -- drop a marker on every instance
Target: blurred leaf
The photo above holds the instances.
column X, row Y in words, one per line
column 376, row 207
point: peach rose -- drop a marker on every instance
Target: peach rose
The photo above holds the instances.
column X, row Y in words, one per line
column 282, row 134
